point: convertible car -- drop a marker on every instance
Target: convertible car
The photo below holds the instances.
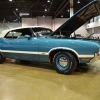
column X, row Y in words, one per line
column 41, row 44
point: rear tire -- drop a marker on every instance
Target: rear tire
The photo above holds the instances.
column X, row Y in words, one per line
column 64, row 62
column 2, row 59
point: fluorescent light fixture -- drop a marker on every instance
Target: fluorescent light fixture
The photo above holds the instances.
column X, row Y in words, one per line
column 24, row 14
column 10, row 0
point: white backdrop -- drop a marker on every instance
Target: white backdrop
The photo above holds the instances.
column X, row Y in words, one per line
column 42, row 21
column 4, row 26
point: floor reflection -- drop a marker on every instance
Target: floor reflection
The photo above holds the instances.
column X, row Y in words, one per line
column 36, row 81
column 82, row 68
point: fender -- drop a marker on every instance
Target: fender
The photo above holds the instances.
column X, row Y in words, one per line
column 69, row 49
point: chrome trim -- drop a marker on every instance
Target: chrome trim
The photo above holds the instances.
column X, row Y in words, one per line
column 63, row 48
column 63, row 61
column 96, row 57
column 79, row 56
column 43, row 53
column 85, row 56
column 24, row 52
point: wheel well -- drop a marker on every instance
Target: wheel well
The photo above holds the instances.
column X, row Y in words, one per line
column 51, row 55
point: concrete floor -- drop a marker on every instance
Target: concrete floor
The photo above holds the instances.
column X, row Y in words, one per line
column 38, row 81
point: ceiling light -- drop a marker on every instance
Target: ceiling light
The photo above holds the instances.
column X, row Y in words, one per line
column 14, row 20
column 61, row 15
column 43, row 15
column 78, row 1
column 16, row 9
column 4, row 20
column 10, row 0
column 68, row 10
column 24, row 14
column 48, row 0
column 45, row 9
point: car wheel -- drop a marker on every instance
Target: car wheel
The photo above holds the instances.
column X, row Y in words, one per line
column 64, row 62
column 2, row 59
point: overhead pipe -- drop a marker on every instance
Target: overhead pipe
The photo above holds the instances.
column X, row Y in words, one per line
column 60, row 6
column 50, row 5
column 16, row 15
column 61, row 10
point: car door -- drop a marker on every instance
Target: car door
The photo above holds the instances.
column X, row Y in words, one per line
column 22, row 45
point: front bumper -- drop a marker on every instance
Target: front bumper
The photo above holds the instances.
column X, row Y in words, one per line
column 96, row 57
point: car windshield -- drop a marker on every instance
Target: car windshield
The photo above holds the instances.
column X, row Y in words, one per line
column 42, row 31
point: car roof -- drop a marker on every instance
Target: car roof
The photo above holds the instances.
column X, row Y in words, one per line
column 4, row 32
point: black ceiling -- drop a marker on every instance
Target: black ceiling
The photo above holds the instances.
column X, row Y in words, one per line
column 55, row 8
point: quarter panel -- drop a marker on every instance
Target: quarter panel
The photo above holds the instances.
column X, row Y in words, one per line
column 82, row 49
column 80, row 46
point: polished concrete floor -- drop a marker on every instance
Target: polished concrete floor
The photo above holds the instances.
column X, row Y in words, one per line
column 38, row 81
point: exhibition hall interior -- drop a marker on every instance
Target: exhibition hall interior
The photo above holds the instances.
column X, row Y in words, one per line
column 49, row 49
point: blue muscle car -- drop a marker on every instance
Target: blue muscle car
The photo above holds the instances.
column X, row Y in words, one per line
column 36, row 43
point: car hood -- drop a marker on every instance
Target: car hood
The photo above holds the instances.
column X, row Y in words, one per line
column 93, row 40
column 89, row 11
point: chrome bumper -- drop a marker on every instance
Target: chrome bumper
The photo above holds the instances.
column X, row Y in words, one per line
column 96, row 57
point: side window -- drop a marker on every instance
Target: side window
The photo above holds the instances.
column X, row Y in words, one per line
column 42, row 31
column 13, row 35
column 19, row 33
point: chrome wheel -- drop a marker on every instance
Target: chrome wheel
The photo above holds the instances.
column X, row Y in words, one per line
column 63, row 61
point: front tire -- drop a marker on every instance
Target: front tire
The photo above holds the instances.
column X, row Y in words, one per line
column 2, row 59
column 64, row 62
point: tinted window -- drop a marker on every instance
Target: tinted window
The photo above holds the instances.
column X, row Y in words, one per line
column 19, row 33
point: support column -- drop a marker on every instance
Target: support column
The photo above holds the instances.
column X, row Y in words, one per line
column 71, row 8
column 72, row 12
